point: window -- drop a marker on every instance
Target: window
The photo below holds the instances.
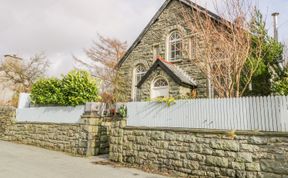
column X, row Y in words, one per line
column 175, row 46
column 160, row 88
column 139, row 72
column 193, row 46
column 160, row 83
column 156, row 51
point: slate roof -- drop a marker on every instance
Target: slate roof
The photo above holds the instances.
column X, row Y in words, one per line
column 177, row 74
column 155, row 18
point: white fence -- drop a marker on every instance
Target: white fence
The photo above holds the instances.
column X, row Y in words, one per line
column 253, row 113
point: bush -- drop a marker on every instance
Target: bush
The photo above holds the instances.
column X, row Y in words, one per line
column 47, row 92
column 76, row 88
column 280, row 85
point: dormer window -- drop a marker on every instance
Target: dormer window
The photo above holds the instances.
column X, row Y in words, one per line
column 159, row 88
column 175, row 46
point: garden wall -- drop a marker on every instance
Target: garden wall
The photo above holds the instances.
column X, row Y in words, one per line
column 70, row 138
column 206, row 153
column 87, row 138
column 7, row 113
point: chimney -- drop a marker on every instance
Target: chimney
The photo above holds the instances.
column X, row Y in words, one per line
column 275, row 25
column 13, row 59
column 276, row 37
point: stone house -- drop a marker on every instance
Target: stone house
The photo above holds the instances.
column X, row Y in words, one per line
column 6, row 94
column 156, row 65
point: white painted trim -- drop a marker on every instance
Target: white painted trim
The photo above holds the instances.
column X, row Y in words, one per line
column 133, row 84
column 167, row 43
column 154, row 80
column 133, row 91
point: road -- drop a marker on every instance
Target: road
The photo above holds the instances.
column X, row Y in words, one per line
column 22, row 161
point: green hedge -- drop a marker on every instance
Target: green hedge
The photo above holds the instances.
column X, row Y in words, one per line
column 280, row 86
column 76, row 88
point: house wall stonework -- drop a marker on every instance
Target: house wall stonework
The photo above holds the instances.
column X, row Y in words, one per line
column 158, row 33
column 174, row 89
column 201, row 153
column 6, row 93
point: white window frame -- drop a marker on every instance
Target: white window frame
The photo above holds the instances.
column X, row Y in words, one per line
column 174, row 42
column 136, row 73
column 153, row 88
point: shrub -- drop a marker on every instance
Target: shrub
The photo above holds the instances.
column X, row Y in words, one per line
column 47, row 92
column 280, row 86
column 76, row 88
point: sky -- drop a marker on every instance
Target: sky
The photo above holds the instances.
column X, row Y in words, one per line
column 62, row 28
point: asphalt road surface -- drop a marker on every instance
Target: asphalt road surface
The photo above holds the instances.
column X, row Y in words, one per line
column 22, row 161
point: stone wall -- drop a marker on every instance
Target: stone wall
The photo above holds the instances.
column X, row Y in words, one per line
column 6, row 115
column 70, row 138
column 174, row 88
column 104, row 134
column 158, row 33
column 88, row 138
column 201, row 153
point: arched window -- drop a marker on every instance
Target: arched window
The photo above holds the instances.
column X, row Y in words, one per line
column 175, row 46
column 160, row 88
column 139, row 72
column 160, row 83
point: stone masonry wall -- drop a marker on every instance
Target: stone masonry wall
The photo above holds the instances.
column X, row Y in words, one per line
column 70, row 138
column 158, row 33
column 88, row 138
column 6, row 113
column 104, row 133
column 202, row 153
column 174, row 89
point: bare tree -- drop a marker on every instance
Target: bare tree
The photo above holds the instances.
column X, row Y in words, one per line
column 103, row 57
column 19, row 75
column 223, row 45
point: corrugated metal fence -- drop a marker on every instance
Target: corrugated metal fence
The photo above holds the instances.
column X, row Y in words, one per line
column 251, row 113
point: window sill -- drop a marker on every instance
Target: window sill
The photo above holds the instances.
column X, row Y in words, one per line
column 176, row 61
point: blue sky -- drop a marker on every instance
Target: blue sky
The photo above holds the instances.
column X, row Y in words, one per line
column 281, row 6
column 61, row 28
column 267, row 7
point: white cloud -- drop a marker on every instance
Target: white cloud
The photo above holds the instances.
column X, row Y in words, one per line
column 65, row 27
column 62, row 28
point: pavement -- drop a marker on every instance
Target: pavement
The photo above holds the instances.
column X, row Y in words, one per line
column 22, row 161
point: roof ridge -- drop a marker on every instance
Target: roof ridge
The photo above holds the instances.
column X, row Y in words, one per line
column 164, row 60
column 154, row 19
column 185, row 74
column 172, row 70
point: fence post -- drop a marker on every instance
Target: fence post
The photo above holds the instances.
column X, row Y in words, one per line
column 91, row 123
